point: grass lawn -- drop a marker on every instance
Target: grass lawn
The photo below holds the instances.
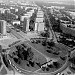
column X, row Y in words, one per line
column 73, row 54
column 53, row 69
column 3, row 71
column 37, row 58
column 62, row 62
column 0, row 62
column 63, row 48
column 42, row 49
column 24, row 66
column 72, row 70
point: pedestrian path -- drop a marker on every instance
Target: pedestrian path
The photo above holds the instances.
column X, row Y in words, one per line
column 4, row 69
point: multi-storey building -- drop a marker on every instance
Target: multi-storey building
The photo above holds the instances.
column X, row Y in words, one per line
column 25, row 19
column 3, row 27
column 39, row 22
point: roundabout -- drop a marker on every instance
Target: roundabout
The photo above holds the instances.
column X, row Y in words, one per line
column 38, row 65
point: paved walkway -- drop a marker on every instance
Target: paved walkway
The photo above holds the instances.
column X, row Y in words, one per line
column 47, row 58
column 3, row 65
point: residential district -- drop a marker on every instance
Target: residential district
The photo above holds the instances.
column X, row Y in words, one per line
column 36, row 39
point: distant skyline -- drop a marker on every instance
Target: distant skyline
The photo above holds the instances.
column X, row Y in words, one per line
column 60, row 1
column 56, row 1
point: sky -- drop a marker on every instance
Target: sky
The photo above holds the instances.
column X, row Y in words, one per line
column 64, row 1
column 58, row 1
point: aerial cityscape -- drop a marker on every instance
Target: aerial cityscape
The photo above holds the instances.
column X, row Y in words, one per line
column 37, row 37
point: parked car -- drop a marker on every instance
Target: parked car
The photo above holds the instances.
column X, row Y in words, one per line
column 8, row 31
column 56, row 53
column 17, row 30
column 49, row 51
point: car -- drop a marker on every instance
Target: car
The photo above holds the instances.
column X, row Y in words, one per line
column 8, row 31
column 49, row 51
column 70, row 45
column 32, row 41
column 25, row 32
column 48, row 46
column 36, row 41
column 12, row 28
column 17, row 30
column 56, row 53
column 20, row 71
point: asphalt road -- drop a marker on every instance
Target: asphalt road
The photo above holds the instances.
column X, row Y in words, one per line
column 52, row 34
column 55, row 39
column 20, row 35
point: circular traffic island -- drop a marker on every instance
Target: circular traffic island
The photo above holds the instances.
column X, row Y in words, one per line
column 27, row 59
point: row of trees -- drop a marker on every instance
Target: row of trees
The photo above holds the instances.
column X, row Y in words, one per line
column 7, row 17
column 22, row 54
column 55, row 65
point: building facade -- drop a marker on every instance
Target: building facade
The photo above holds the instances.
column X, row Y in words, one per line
column 3, row 27
column 26, row 20
column 39, row 26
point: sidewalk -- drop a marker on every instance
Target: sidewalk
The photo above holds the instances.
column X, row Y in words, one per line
column 4, row 69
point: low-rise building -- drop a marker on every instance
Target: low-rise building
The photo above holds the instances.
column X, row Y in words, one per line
column 2, row 10
column 24, row 16
column 72, row 14
column 65, row 22
column 15, row 22
column 67, row 30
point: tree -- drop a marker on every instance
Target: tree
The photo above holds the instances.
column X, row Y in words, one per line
column 42, row 34
column 25, row 54
column 63, row 58
column 0, row 48
column 38, row 63
column 30, row 54
column 56, row 64
column 46, row 34
column 19, row 61
column 50, row 66
column 72, row 60
column 47, row 69
column 44, row 43
column 49, row 51
column 73, row 22
column 51, row 43
column 32, row 63
column 43, row 68
column 16, row 60
column 20, row 52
